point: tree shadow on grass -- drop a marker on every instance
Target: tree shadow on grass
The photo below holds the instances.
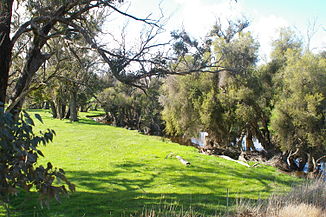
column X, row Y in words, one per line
column 131, row 187
column 89, row 122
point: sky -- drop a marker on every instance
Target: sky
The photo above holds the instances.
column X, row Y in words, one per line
column 266, row 17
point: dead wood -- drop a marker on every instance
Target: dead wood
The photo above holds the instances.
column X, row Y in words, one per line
column 183, row 161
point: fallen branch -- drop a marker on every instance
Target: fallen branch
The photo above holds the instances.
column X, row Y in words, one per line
column 183, row 161
column 255, row 165
column 237, row 161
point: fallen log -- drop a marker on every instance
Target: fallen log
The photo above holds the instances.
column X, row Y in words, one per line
column 183, row 161
column 237, row 161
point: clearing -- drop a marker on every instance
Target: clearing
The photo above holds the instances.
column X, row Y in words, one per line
column 118, row 172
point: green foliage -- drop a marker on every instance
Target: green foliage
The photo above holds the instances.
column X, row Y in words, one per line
column 128, row 106
column 299, row 116
column 227, row 104
column 19, row 154
column 182, row 98
column 238, row 54
column 287, row 41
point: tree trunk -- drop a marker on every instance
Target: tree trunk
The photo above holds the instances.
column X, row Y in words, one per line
column 291, row 161
column 83, row 108
column 46, row 105
column 53, row 109
column 61, row 108
column 67, row 116
column 5, row 47
column 310, row 163
column 63, row 111
column 263, row 137
column 33, row 62
column 249, row 144
column 302, row 161
column 73, row 106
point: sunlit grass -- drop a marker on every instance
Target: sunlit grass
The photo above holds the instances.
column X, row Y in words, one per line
column 119, row 172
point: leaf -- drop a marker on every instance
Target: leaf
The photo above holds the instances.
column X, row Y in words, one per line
column 29, row 120
column 40, row 153
column 61, row 171
column 38, row 117
column 49, row 166
column 72, row 187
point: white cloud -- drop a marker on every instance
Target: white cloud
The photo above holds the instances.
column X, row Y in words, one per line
column 266, row 30
column 198, row 17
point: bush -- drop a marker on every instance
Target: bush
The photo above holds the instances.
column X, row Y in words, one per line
column 19, row 153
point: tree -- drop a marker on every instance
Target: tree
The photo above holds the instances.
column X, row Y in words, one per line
column 222, row 104
column 127, row 106
column 49, row 20
column 298, row 120
column 78, row 74
column 5, row 46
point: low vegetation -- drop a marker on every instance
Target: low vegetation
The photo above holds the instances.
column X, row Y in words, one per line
column 308, row 199
column 119, row 172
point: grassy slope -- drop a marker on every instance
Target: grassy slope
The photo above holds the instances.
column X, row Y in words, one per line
column 118, row 172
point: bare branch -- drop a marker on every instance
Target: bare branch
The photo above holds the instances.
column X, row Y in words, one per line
column 145, row 20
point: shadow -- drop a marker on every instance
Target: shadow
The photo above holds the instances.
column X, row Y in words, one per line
column 89, row 122
column 38, row 110
column 131, row 187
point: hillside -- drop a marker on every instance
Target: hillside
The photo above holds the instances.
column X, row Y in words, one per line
column 119, row 172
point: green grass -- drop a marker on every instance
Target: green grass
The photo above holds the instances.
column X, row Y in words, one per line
column 118, row 172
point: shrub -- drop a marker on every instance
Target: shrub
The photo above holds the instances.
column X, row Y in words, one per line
column 19, row 153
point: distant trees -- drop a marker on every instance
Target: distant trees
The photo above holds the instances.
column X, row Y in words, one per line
column 130, row 107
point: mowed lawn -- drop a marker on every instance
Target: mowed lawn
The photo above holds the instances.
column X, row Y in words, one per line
column 118, row 172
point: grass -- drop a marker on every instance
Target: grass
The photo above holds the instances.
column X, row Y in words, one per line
column 308, row 199
column 119, row 172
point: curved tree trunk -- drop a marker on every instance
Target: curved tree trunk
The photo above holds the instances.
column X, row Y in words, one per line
column 291, row 161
